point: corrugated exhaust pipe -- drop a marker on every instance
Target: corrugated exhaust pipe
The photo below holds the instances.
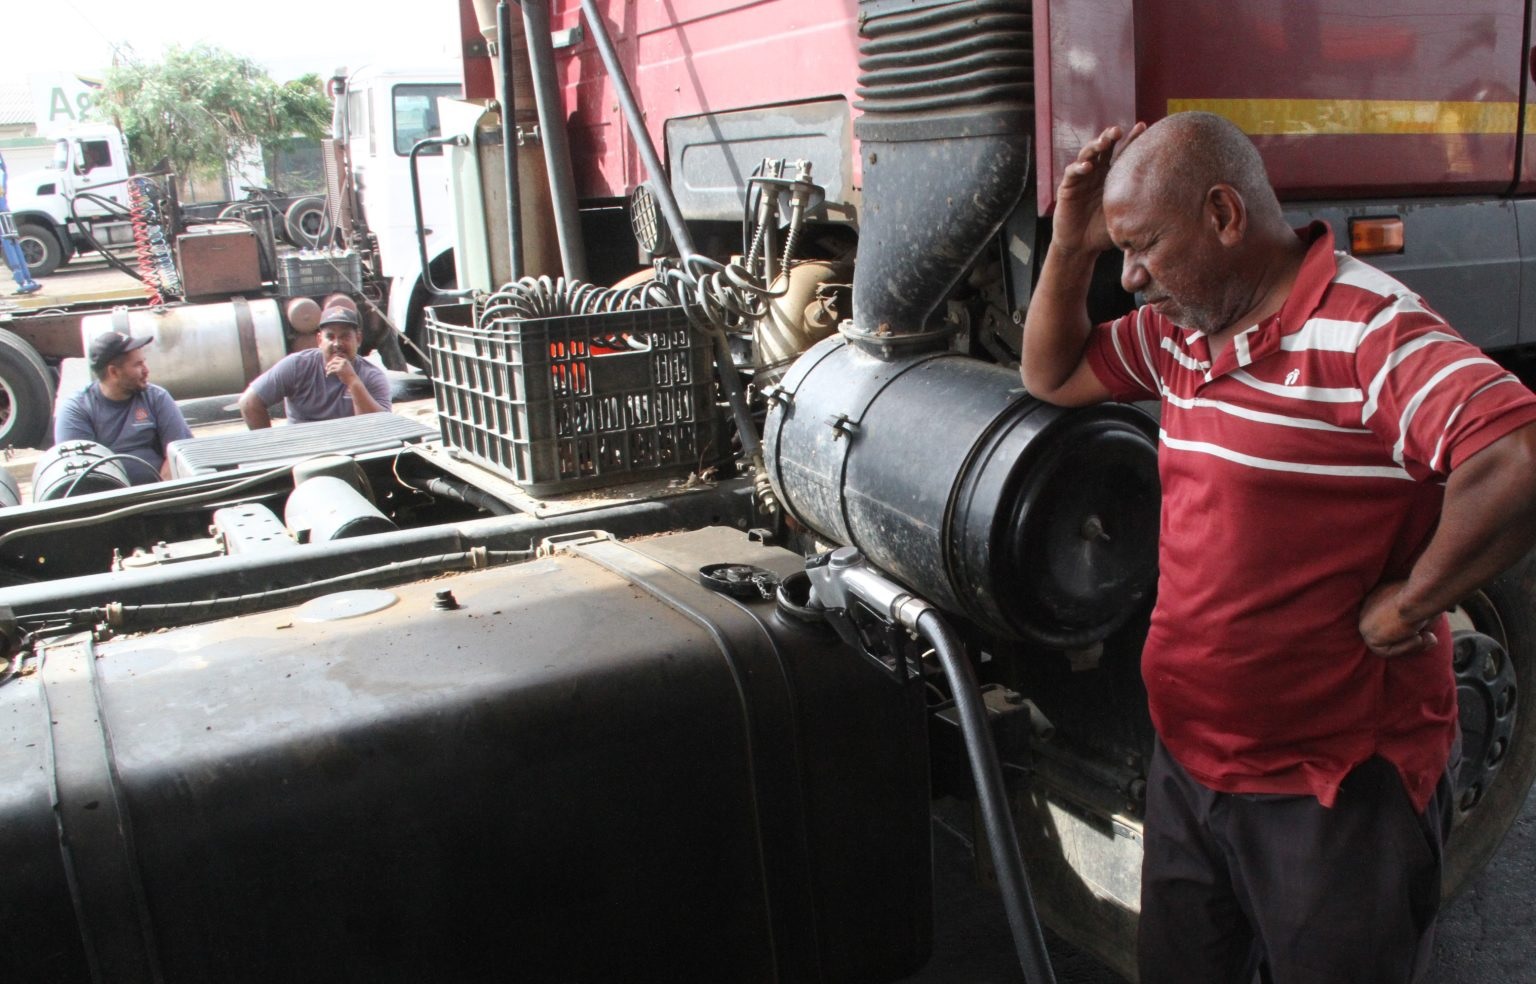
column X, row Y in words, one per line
column 947, row 95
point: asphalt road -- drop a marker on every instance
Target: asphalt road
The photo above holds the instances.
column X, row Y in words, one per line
column 1485, row 935
column 78, row 278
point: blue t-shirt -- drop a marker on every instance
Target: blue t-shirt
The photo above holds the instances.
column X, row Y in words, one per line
column 141, row 426
column 307, row 393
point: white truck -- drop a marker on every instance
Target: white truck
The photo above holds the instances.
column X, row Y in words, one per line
column 381, row 113
column 380, row 116
column 54, row 206
column 78, row 200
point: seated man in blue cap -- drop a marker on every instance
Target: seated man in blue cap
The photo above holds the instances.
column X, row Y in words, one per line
column 322, row 383
column 123, row 410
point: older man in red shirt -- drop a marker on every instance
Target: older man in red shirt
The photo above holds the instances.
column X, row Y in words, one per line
column 1339, row 468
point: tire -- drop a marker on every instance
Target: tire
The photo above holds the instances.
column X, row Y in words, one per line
column 414, row 343
column 41, row 248
column 26, row 395
column 306, row 222
column 10, row 491
column 445, row 274
column 1495, row 631
column 387, row 344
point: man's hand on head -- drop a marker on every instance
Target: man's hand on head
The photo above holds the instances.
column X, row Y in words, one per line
column 1079, row 220
column 1383, row 628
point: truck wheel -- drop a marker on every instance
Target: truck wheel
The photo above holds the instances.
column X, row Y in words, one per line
column 26, row 395
column 306, row 222
column 1495, row 663
column 40, row 247
column 238, row 212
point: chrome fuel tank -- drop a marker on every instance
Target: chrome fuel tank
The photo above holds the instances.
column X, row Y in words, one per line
column 583, row 767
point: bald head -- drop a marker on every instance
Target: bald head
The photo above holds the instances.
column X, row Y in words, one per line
column 1201, row 231
column 1181, row 157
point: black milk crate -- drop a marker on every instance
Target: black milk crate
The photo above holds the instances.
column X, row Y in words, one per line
column 311, row 274
column 556, row 404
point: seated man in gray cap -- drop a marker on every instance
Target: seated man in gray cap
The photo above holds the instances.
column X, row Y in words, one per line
column 123, row 410
column 321, row 383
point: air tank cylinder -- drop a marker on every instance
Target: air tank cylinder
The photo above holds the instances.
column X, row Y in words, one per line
column 326, row 508
column 1035, row 522
column 77, row 468
column 199, row 350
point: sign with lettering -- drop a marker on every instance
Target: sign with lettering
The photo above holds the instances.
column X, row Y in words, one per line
column 60, row 99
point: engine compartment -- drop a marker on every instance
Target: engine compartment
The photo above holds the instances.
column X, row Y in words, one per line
column 355, row 574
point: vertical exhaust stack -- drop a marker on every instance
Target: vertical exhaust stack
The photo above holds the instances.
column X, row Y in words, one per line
column 947, row 95
column 536, row 251
column 1032, row 522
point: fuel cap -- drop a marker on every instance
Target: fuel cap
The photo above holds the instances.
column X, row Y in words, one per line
column 739, row 580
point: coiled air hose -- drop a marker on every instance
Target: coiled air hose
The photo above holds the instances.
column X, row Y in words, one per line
column 125, row 458
column 716, row 297
column 152, row 254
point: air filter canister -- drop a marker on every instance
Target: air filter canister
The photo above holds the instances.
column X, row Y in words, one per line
column 1036, row 522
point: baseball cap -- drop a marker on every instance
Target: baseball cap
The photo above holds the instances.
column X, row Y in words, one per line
column 335, row 315
column 111, row 344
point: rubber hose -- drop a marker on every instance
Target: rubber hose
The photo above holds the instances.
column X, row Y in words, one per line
column 465, row 493
column 150, row 505
column 143, row 618
column 85, row 233
column 1023, row 922
column 101, row 461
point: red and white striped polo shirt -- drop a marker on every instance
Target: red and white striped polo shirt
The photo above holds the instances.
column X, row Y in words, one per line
column 1301, row 468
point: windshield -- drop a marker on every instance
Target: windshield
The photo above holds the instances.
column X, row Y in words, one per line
column 416, row 114
column 60, row 155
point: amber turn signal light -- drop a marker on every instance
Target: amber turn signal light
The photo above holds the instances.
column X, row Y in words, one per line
column 1372, row 237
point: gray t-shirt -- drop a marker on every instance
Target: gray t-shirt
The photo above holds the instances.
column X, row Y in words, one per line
column 307, row 393
column 141, row 426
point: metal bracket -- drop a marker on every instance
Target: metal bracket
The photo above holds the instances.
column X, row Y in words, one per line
column 843, row 425
column 564, row 542
column 95, row 831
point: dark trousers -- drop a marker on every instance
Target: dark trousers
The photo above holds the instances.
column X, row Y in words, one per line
column 1235, row 885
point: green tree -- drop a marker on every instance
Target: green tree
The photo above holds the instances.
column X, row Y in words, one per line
column 201, row 107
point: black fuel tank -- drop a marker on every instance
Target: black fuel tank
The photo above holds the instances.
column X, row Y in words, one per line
column 590, row 769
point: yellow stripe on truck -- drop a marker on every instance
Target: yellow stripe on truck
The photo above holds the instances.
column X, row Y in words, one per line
column 1304, row 117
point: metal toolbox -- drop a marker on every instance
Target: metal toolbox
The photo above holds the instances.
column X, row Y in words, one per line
column 218, row 259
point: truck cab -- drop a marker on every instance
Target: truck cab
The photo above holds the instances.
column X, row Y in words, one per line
column 381, row 113
column 86, row 178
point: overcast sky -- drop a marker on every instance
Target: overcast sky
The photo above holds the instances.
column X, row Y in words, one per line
column 287, row 37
